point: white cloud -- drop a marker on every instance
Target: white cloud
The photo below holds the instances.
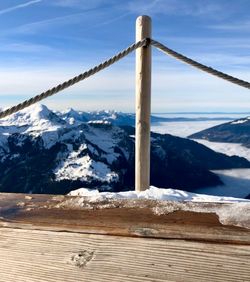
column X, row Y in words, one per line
column 236, row 26
column 34, row 80
column 228, row 61
column 209, row 53
column 220, row 42
column 35, row 26
column 20, row 6
column 114, row 89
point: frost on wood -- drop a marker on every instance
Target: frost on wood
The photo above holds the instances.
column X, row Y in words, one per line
column 230, row 211
column 235, row 214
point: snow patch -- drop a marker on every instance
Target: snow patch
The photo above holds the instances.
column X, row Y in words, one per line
column 166, row 201
column 78, row 167
column 99, row 122
column 239, row 121
column 155, row 193
column 105, row 140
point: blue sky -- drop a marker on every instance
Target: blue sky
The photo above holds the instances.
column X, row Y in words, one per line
column 44, row 42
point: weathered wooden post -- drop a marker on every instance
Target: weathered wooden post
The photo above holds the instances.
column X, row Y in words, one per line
column 143, row 105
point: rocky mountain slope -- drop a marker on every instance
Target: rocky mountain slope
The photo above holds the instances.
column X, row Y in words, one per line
column 46, row 152
column 237, row 131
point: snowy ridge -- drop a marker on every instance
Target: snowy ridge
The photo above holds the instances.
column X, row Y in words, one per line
column 35, row 121
column 239, row 121
column 38, row 116
column 236, row 131
column 105, row 116
column 154, row 194
column 118, row 118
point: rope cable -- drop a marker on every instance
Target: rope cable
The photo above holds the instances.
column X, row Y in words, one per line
column 75, row 79
column 143, row 43
column 200, row 66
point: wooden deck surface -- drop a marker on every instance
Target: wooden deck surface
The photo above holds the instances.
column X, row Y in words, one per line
column 57, row 238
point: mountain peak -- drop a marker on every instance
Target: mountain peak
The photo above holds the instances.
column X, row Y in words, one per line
column 32, row 116
column 38, row 111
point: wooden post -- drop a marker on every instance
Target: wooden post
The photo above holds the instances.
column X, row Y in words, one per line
column 143, row 105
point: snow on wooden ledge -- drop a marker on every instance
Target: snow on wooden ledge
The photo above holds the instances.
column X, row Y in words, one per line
column 94, row 239
column 220, row 222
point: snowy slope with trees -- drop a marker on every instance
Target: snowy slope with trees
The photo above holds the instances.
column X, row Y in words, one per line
column 42, row 151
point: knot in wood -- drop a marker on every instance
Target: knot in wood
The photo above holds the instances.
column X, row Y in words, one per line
column 82, row 258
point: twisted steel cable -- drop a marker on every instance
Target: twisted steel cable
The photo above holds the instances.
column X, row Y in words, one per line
column 200, row 66
column 75, row 79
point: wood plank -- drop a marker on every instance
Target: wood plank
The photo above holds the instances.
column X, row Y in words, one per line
column 35, row 256
column 141, row 218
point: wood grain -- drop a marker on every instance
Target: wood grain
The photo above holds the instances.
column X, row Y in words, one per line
column 35, row 256
column 142, row 105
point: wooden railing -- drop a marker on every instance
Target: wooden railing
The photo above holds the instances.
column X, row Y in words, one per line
column 143, row 91
column 61, row 238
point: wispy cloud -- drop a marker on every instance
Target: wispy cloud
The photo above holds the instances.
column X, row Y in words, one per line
column 24, row 47
column 237, row 45
column 174, row 7
column 76, row 3
column 20, row 6
column 237, row 26
column 113, row 89
column 109, row 21
column 90, row 16
column 83, row 4
column 33, row 27
column 142, row 7
column 67, row 3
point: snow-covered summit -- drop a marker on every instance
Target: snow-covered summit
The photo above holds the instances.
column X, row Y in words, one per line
column 34, row 115
column 36, row 120
column 74, row 117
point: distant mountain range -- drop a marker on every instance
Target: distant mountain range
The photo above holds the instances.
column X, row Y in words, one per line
column 237, row 131
column 119, row 118
column 42, row 151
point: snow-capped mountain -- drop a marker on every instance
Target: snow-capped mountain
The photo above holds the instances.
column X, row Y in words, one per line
column 42, row 151
column 237, row 131
column 37, row 121
column 113, row 117
column 120, row 119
